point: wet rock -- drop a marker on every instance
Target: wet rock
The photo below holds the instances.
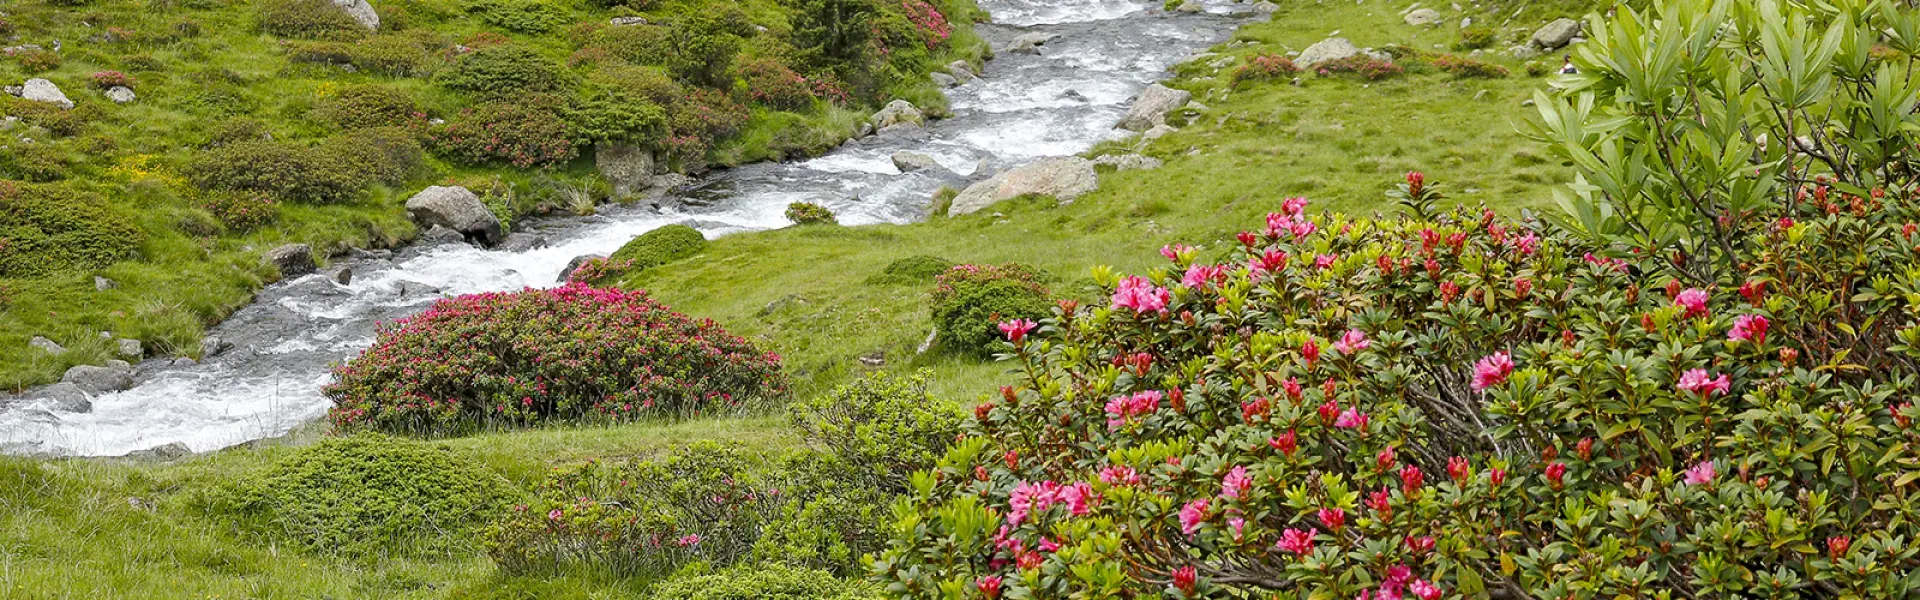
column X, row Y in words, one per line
column 1423, row 17
column 623, row 21
column 1064, row 178
column 99, row 380
column 1157, row 132
column 903, row 131
column 184, row 362
column 293, row 260
column 523, row 241
column 101, row 284
column 372, row 254
column 46, row 344
column 438, row 235
column 121, row 94
column 943, row 79
column 908, row 162
column 41, row 90
column 963, row 70
column 212, row 345
column 415, row 288
column 129, row 349
column 1327, row 50
column 576, row 263
column 628, row 168
column 62, row 397
column 1556, row 34
column 1029, row 43
column 1073, row 95
column 455, row 208
column 1151, row 107
column 897, row 111
column 1128, row 162
column 173, row 451
column 1191, row 6
column 344, row 276
column 361, row 11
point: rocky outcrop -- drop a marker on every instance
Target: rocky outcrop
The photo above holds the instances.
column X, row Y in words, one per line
column 1065, row 178
column 1325, row 51
column 962, row 71
column 128, row 349
column 41, row 90
column 1128, row 162
column 943, row 79
column 61, row 397
column 46, row 345
column 99, row 380
column 1150, row 108
column 624, row 21
column 293, row 260
column 1029, row 43
column 628, row 168
column 213, row 345
column 522, row 242
column 456, row 208
column 101, row 284
column 361, row 11
column 896, row 112
column 908, row 162
column 1423, row 17
column 1556, row 34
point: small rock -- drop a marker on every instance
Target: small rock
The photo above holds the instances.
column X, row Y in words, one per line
column 293, row 260
column 372, row 254
column 1264, row 7
column 875, row 359
column 575, row 264
column 897, row 111
column 629, row 168
column 1128, row 162
column 781, row 304
column 1150, row 108
column 99, row 380
column 928, row 343
column 1190, row 6
column 120, row 94
column 1327, row 50
column 1157, row 132
column 963, row 70
column 1523, row 52
column 63, row 397
column 523, row 241
column 908, row 162
column 1556, row 34
column 46, row 344
column 943, row 79
column 129, row 349
column 101, row 284
column 438, row 235
column 1029, row 43
column 1423, row 17
column 41, row 90
column 171, row 451
column 627, row 21
column 362, row 12
column 212, row 345
column 344, row 276
column 902, row 131
column 455, row 208
column 1527, row 102
column 183, row 362
column 1196, row 106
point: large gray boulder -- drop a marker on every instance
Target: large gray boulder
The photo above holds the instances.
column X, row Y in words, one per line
column 1324, row 51
column 943, row 79
column 99, row 380
column 293, row 260
column 62, row 397
column 963, row 71
column 1151, row 107
column 628, row 168
column 361, row 11
column 1423, row 17
column 1063, row 177
column 1556, row 34
column 896, row 112
column 908, row 162
column 523, row 241
column 41, row 90
column 1029, row 43
column 456, row 208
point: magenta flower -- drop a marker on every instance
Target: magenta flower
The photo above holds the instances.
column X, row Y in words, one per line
column 1354, row 341
column 989, row 586
column 1297, row 541
column 1141, row 295
column 1749, row 328
column 1236, row 484
column 1352, row 418
column 1492, row 370
column 1199, row 275
column 689, row 540
column 1294, row 206
column 1179, row 253
column 1694, row 300
column 1186, row 579
column 1700, row 382
column 1310, row 351
column 1238, row 526
column 1701, row 474
column 1120, row 475
column 1324, row 261
column 1527, row 243
column 1017, row 329
column 1425, row 590
column 1334, row 518
column 1192, row 515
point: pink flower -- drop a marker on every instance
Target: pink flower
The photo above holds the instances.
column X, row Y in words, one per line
column 1287, row 443
column 989, row 585
column 1352, row 418
column 1179, row 253
column 1297, row 541
column 1142, row 296
column 1125, row 409
column 1017, row 329
column 1192, row 515
column 1749, row 328
column 555, row 514
column 1354, row 341
column 1701, row 474
column 1492, row 370
column 1556, row 474
column 1324, row 261
column 1334, row 518
column 1527, row 243
column 1411, row 478
column 1199, row 275
column 1238, row 526
column 1237, row 483
column 1120, row 475
column 1186, row 579
column 1457, row 469
column 1700, row 382
column 1425, row 590
column 689, row 540
column 1310, row 351
column 1421, row 544
column 1694, row 300
column 1270, row 261
column 1399, row 575
column 1294, row 206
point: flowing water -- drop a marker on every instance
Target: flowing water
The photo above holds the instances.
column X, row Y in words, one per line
column 1024, row 107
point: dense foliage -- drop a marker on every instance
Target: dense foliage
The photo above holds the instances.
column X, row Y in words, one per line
column 574, row 353
column 661, row 246
column 970, row 302
column 808, row 213
column 48, row 228
column 913, row 269
column 765, row 582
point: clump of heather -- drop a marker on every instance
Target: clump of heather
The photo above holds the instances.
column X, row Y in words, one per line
column 970, row 303
column 571, row 354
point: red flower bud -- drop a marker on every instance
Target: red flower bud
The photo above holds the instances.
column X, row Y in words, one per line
column 1457, row 469
column 981, row 410
column 1287, row 443
column 1411, row 479
column 1186, row 579
column 1556, row 474
column 1497, row 476
column 1584, row 448
column 1837, row 546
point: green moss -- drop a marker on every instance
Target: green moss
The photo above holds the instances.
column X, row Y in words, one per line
column 912, row 269
column 661, row 246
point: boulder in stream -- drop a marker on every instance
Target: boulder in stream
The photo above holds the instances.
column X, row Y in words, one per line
column 99, row 380
column 575, row 264
column 1062, row 177
column 908, row 162
column 896, row 112
column 1150, row 108
column 455, row 208
column 62, row 397
column 293, row 260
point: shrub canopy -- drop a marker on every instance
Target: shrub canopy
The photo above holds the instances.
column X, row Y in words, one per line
column 970, row 301
column 45, row 229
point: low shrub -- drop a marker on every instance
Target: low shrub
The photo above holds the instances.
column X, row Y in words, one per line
column 1467, row 67
column 660, row 246
column 110, row 79
column 697, row 120
column 596, row 271
column 525, row 134
column 1265, row 67
column 808, row 213
column 1475, row 38
column 47, row 229
column 1538, row 69
column 765, row 582
column 503, row 70
column 881, row 427
column 311, row 19
column 912, row 269
column 387, row 155
column 1360, row 65
column 239, row 211
column 367, row 496
column 237, row 129
column 58, row 121
column 288, row 171
column 971, row 301
column 519, row 16
column 772, row 83
column 369, row 105
column 391, row 55
column 37, row 61
column 570, row 354
column 41, row 162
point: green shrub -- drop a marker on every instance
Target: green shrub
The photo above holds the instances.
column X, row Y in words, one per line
column 650, row 45
column 882, row 427
column 237, row 129
column 291, row 172
column 765, row 582
column 37, row 61
column 389, row 54
column 771, row 82
column 519, row 16
column 312, row 19
column 1538, row 69
column 661, row 246
column 503, row 70
column 697, row 120
column 1360, row 65
column 1475, row 38
column 1264, row 67
column 61, row 122
column 34, row 162
column 47, row 229
column 239, row 211
column 369, row 105
column 610, row 109
column 367, row 496
column 912, row 269
column 808, row 213
column 527, row 133
column 1467, row 67
column 387, row 155
column 971, row 301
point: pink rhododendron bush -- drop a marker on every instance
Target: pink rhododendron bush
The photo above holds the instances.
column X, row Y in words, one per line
column 574, row 353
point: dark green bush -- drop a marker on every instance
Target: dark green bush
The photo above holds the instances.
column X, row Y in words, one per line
column 34, row 162
column 37, row 61
column 530, row 132
column 391, row 55
column 765, row 582
column 369, row 105
column 61, row 122
column 519, row 16
column 912, row 269
column 661, row 246
column 367, row 495
column 613, row 111
column 882, row 427
column 46, row 229
column 313, row 19
column 238, row 129
column 505, row 69
column 971, row 301
column 291, row 172
column 1475, row 38
column 1467, row 67
column 388, row 155
column 239, row 211
column 637, row 44
column 808, row 213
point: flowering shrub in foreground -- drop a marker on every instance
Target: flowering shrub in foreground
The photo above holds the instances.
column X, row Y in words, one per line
column 1446, row 406
column 574, row 353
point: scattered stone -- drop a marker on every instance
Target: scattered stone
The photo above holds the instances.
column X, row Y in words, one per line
column 1523, row 52
column 1064, row 178
column 1423, row 17
column 14, row 90
column 523, row 241
column 1157, row 132
column 908, row 162
column 455, row 208
column 897, row 111
column 106, row 335
column 628, row 168
column 875, row 359
column 99, row 380
column 866, row 129
column 963, row 70
column 928, row 343
column 1196, row 106
column 63, row 397
column 902, row 131
column 1466, row 22
column 438, row 235
column 1073, row 95
column 782, row 303
column 943, row 79
column 1264, row 7
column 173, row 451
column 361, row 11
column 183, row 362
column 1556, row 34
column 120, row 94
column 1527, row 102
column 576, row 263
column 344, row 276
column 415, row 288
column 623, row 21
column 1190, row 6
column 1150, row 108
column 41, row 90
column 212, row 346
column 101, row 284
column 1128, row 162
column 1029, row 43
column 372, row 254
column 1327, row 50
column 129, row 349
column 293, row 260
